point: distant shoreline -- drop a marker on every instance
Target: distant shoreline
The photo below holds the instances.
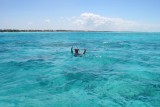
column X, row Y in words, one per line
column 17, row 30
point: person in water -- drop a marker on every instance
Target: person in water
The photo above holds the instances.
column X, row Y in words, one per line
column 76, row 53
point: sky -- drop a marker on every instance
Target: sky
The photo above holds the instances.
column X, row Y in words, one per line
column 99, row 15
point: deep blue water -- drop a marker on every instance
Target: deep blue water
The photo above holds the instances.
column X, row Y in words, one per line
column 119, row 69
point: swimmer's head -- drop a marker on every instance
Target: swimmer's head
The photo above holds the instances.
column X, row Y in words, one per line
column 76, row 51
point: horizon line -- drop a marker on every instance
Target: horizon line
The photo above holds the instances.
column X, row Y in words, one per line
column 61, row 30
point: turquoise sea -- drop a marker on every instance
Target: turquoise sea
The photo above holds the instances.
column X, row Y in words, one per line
column 119, row 69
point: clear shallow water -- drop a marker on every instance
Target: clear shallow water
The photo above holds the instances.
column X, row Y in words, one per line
column 118, row 70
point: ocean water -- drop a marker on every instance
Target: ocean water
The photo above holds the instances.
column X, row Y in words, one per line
column 119, row 69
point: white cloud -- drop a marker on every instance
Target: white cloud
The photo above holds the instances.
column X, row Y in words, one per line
column 90, row 21
column 47, row 21
column 85, row 21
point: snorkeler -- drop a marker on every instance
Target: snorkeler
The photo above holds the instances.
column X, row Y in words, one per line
column 76, row 53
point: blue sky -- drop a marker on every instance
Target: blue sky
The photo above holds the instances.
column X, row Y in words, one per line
column 121, row 15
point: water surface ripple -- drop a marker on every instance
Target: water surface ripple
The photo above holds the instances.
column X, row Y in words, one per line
column 120, row 69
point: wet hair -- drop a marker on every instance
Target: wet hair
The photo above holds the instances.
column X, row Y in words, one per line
column 76, row 50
